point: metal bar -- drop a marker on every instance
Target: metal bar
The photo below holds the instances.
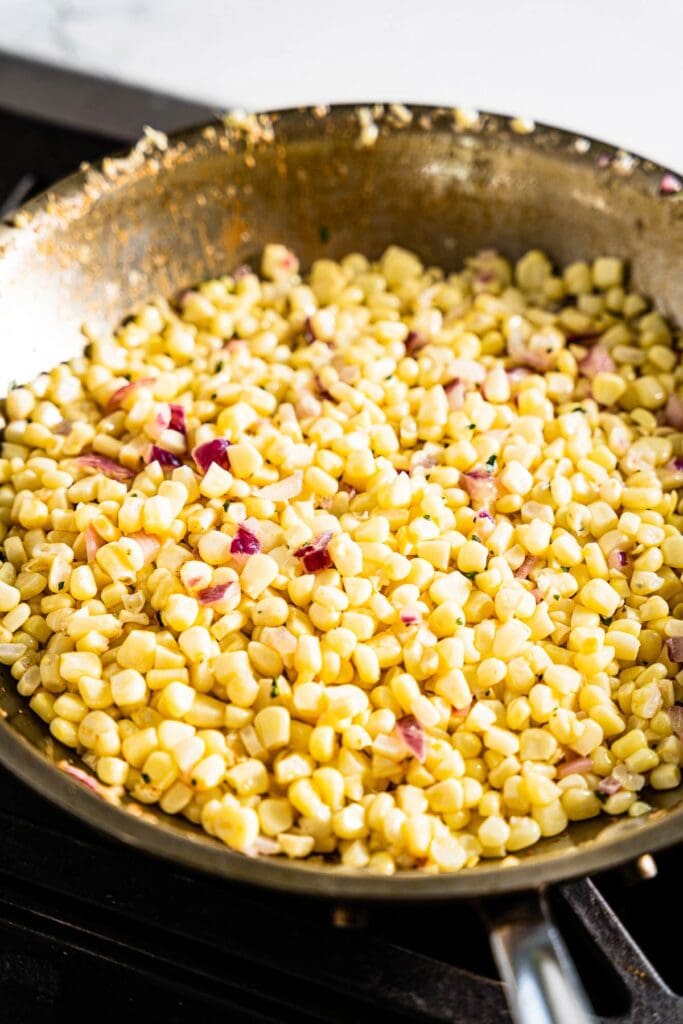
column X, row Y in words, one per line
column 78, row 100
column 651, row 998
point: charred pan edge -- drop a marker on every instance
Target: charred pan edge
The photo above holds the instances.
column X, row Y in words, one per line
column 250, row 133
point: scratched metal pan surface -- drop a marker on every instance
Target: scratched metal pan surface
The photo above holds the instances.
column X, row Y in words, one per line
column 326, row 182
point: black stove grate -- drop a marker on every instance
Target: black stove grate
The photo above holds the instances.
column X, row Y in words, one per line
column 91, row 928
column 85, row 922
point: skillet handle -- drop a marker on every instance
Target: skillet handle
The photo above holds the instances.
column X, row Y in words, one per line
column 541, row 983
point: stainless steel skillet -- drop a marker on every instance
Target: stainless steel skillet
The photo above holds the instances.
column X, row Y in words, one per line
column 327, row 182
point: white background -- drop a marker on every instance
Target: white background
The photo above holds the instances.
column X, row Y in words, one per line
column 609, row 68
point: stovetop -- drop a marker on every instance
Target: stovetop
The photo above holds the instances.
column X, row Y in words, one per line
column 92, row 928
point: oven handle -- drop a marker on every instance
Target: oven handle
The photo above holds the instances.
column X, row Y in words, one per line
column 541, row 982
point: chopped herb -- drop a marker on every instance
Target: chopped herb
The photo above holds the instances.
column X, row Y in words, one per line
column 426, row 517
column 602, row 797
column 460, row 622
column 219, row 366
column 324, row 233
column 491, row 461
column 60, row 585
column 470, row 575
column 146, row 778
column 556, row 597
column 471, row 426
column 564, row 568
column 606, row 620
column 12, row 385
column 475, row 537
column 214, row 396
column 275, row 689
column 226, row 505
column 389, row 377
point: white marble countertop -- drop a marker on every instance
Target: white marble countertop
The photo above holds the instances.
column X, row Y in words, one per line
column 608, row 68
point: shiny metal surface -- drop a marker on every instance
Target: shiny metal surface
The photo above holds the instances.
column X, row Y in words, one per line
column 167, row 216
column 541, row 981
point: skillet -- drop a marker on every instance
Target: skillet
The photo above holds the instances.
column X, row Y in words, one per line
column 327, row 181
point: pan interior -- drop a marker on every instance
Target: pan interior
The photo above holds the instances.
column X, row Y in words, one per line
column 172, row 214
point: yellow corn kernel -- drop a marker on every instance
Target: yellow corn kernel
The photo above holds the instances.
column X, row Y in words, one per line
column 236, row 826
column 273, row 727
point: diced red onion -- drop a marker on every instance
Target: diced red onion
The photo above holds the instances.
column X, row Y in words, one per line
column 577, row 766
column 455, row 394
column 245, row 542
column 114, row 470
column 481, row 486
column 628, row 779
column 609, row 786
column 282, row 490
column 169, row 460
column 410, row 617
column 149, row 544
column 308, row 332
column 674, row 648
column 93, row 542
column 532, row 352
column 178, row 421
column 63, row 428
column 673, row 412
column 242, row 271
column 281, row 640
column 675, row 714
column 80, row 776
column 235, row 345
column 412, row 733
column 617, row 559
column 423, row 460
column 528, row 565
column 669, row 185
column 485, row 514
column 212, row 451
column 675, row 465
column 598, row 360
column 307, row 406
column 315, row 556
column 118, row 397
column 604, row 161
column 161, row 422
column 414, row 342
column 211, row 595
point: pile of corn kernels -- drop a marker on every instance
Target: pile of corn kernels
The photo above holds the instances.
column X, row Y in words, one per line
column 381, row 565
